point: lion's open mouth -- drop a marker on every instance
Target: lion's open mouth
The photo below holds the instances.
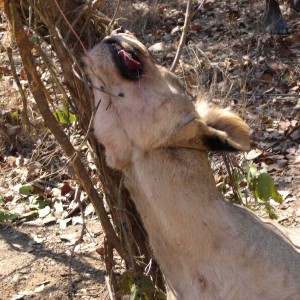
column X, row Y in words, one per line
column 127, row 60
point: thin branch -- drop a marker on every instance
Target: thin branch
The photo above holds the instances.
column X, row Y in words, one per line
column 70, row 26
column 78, row 241
column 275, row 95
column 25, row 119
column 123, row 225
column 111, row 281
column 232, row 181
column 183, row 35
column 89, row 130
column 51, row 68
column 111, row 24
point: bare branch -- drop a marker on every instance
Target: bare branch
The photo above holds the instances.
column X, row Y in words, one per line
column 183, row 35
column 25, row 120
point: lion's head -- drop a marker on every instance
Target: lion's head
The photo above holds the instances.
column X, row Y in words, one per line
column 143, row 106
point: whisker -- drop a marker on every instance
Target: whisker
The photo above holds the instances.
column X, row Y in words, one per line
column 109, row 105
column 102, row 89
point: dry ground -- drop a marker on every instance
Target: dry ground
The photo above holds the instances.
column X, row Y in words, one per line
column 35, row 262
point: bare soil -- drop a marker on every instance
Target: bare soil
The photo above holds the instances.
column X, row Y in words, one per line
column 35, row 262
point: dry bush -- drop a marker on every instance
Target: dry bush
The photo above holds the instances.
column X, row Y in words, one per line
column 58, row 33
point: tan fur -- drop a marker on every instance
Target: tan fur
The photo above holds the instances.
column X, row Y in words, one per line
column 207, row 247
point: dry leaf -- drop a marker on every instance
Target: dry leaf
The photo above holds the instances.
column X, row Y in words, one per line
column 196, row 27
column 252, row 154
column 100, row 251
column 272, row 64
column 266, row 77
column 287, row 53
column 66, row 189
column 13, row 130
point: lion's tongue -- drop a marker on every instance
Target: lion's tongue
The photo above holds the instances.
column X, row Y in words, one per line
column 130, row 63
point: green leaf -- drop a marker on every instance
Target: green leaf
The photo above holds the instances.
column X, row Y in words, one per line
column 270, row 211
column 36, row 203
column 265, row 187
column 160, row 295
column 26, row 190
column 125, row 282
column 145, row 284
column 222, row 187
column 14, row 117
column 272, row 214
column 34, row 39
column 30, row 215
column 276, row 196
column 138, row 286
column 237, row 179
column 64, row 116
column 137, row 294
column 251, row 176
column 7, row 215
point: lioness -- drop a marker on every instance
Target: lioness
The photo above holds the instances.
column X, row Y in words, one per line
column 207, row 248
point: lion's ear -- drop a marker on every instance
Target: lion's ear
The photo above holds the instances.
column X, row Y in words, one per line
column 217, row 130
column 226, row 131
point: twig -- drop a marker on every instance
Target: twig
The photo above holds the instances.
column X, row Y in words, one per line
column 78, row 241
column 70, row 26
column 123, row 226
column 183, row 35
column 275, row 95
column 50, row 67
column 232, row 182
column 109, row 289
column 197, row 9
column 110, row 25
column 110, row 279
column 90, row 128
column 25, row 120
